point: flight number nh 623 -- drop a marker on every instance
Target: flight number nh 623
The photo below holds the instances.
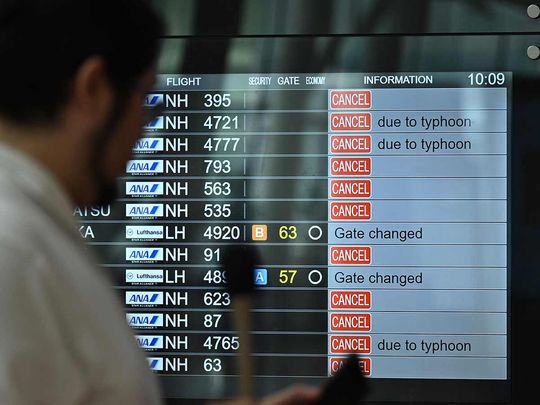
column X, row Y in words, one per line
column 217, row 299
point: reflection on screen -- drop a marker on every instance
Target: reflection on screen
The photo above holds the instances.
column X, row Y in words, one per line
column 378, row 203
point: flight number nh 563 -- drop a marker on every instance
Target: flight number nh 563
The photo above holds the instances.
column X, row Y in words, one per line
column 217, row 188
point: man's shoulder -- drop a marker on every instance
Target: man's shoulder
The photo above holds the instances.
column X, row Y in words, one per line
column 19, row 268
column 23, row 239
column 18, row 223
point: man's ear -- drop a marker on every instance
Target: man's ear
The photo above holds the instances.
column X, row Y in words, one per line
column 91, row 93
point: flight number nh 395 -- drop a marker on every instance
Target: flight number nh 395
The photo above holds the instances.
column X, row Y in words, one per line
column 217, row 100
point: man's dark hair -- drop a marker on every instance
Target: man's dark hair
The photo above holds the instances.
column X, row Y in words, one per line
column 44, row 42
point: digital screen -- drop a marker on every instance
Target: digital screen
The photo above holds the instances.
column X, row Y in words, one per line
column 378, row 203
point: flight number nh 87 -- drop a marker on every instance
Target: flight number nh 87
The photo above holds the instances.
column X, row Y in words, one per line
column 211, row 321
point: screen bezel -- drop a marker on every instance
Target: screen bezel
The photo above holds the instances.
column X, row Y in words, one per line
column 523, row 99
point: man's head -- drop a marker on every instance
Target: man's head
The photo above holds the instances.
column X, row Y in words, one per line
column 73, row 76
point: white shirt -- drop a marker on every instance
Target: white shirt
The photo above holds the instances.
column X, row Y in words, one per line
column 64, row 338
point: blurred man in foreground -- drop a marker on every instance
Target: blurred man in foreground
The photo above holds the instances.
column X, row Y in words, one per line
column 73, row 77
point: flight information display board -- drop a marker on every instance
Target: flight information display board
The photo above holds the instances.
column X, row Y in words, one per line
column 378, row 204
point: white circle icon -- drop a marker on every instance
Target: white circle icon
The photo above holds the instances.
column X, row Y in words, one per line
column 315, row 232
column 315, row 277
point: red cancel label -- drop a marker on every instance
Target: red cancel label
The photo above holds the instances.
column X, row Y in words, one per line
column 350, row 99
column 350, row 255
column 350, row 144
column 337, row 362
column 350, row 166
column 350, row 188
column 350, row 300
column 350, row 121
column 359, row 211
column 350, row 322
column 350, row 344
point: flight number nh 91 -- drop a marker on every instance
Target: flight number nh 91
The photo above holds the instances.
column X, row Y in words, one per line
column 212, row 255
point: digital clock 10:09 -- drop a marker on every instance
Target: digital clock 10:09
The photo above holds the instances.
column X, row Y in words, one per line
column 487, row 79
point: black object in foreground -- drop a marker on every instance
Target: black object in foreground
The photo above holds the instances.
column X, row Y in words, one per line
column 347, row 387
column 239, row 262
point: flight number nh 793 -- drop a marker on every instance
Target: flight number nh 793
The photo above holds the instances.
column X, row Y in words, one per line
column 217, row 166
